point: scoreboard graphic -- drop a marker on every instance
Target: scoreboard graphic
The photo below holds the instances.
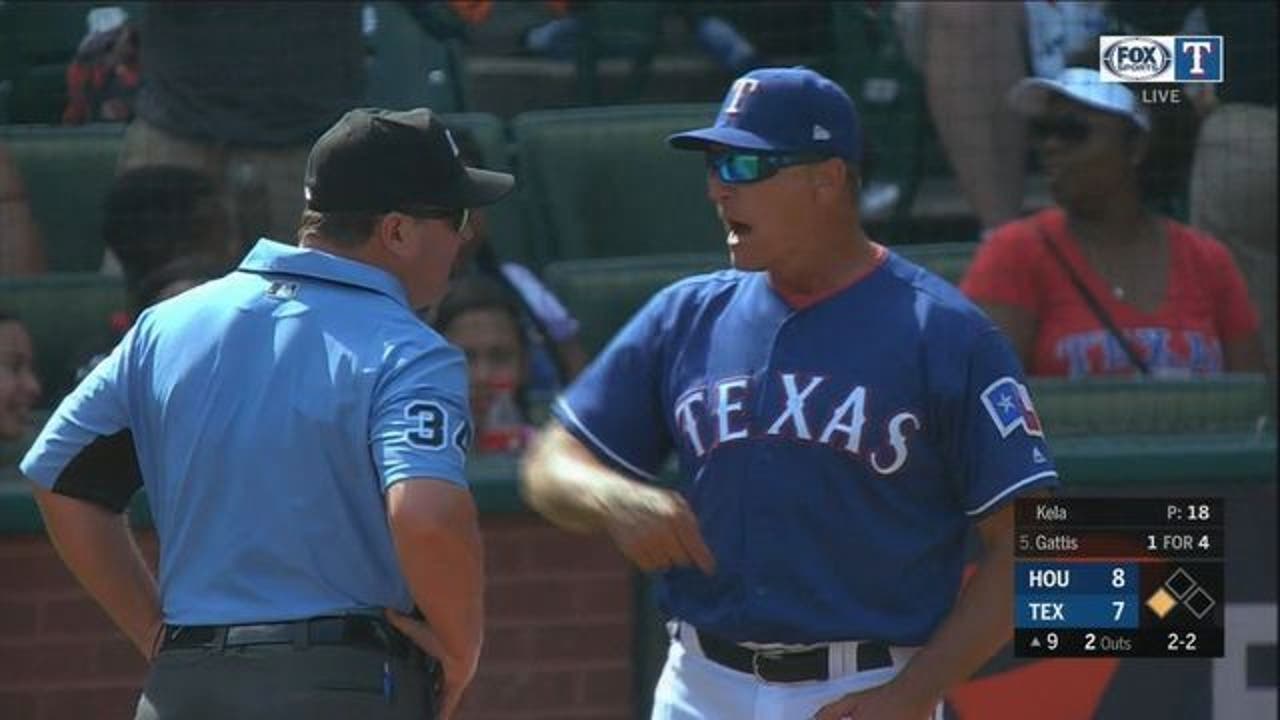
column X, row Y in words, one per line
column 1108, row 577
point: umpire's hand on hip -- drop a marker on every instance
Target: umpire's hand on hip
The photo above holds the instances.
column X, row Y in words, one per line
column 457, row 671
column 656, row 529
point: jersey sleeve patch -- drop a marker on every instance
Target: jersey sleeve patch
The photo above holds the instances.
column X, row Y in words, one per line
column 1009, row 405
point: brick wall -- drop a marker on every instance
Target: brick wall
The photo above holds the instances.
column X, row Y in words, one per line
column 558, row 643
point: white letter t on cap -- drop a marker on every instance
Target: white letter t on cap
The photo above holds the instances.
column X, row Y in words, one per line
column 741, row 88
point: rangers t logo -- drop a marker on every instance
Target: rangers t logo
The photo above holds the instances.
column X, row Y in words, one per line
column 741, row 88
column 1009, row 405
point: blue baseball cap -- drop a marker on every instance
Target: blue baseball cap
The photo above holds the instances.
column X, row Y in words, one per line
column 786, row 110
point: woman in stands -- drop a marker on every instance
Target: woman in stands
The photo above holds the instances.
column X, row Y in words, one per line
column 482, row 318
column 19, row 386
column 1100, row 285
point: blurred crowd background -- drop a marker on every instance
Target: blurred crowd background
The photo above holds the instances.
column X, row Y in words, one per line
column 137, row 135
column 145, row 146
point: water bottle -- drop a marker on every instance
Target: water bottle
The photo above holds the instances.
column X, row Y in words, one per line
column 504, row 428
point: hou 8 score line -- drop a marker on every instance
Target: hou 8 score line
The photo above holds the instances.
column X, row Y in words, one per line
column 1121, row 578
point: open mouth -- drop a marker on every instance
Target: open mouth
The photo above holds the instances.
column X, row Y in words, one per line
column 737, row 231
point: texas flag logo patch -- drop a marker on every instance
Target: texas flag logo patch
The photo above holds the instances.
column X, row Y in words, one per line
column 1009, row 405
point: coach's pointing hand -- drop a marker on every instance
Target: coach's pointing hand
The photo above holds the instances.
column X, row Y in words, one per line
column 656, row 529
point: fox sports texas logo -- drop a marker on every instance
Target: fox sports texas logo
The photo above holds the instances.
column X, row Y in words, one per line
column 1137, row 58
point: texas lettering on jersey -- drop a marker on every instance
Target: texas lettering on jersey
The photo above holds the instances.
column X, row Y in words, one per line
column 719, row 414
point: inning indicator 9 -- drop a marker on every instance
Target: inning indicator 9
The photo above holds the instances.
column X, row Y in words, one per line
column 1108, row 577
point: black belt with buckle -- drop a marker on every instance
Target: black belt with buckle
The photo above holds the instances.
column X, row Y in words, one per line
column 784, row 666
column 355, row 630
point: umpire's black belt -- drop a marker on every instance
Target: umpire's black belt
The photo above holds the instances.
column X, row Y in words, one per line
column 783, row 666
column 353, row 630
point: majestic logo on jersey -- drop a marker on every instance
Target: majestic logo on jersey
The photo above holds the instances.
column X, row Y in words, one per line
column 282, row 290
column 1009, row 405
column 717, row 415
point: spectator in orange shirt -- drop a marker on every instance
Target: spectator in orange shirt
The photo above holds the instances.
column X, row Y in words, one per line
column 1099, row 285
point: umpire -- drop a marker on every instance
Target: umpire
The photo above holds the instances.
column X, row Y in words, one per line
column 301, row 436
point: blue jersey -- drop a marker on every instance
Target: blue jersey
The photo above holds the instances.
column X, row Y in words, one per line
column 266, row 413
column 834, row 455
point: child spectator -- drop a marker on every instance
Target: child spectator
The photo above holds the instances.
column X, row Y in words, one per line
column 482, row 319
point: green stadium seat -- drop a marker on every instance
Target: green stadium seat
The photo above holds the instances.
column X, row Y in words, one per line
column 489, row 133
column 1228, row 404
column 409, row 68
column 604, row 293
column 42, row 37
column 869, row 61
column 947, row 260
column 629, row 30
column 506, row 226
column 67, row 172
column 39, row 94
column 68, row 316
column 601, row 182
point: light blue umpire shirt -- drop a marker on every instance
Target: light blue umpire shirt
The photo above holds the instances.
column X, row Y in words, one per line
column 266, row 413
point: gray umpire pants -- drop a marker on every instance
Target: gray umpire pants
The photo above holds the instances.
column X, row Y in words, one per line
column 276, row 682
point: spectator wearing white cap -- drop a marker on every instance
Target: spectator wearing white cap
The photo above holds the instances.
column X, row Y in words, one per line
column 1099, row 284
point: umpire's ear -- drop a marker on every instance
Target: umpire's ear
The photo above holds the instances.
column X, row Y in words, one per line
column 393, row 233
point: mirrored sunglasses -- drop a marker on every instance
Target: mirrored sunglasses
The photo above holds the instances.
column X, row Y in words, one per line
column 457, row 217
column 737, row 168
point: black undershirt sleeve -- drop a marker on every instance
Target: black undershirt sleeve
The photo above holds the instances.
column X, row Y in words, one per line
column 105, row 472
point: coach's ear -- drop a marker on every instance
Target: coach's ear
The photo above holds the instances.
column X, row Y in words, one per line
column 830, row 178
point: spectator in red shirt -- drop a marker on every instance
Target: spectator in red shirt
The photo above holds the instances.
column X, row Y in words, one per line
column 1099, row 285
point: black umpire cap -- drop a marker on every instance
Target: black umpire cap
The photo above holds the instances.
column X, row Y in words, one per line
column 376, row 161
